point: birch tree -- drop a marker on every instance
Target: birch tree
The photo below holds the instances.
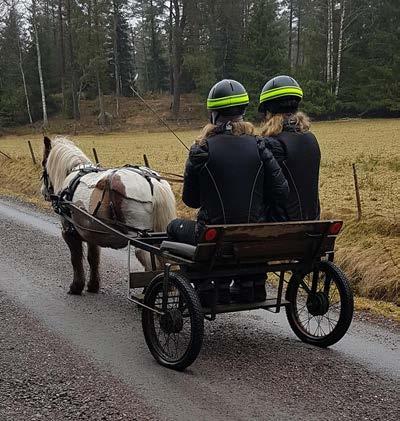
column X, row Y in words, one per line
column 340, row 46
column 329, row 43
column 39, row 63
column 21, row 67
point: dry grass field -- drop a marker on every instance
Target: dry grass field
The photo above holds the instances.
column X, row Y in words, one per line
column 369, row 251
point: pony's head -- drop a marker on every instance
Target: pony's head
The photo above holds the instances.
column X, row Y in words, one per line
column 47, row 188
column 60, row 157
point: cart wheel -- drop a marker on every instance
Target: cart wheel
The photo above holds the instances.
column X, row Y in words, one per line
column 322, row 317
column 175, row 338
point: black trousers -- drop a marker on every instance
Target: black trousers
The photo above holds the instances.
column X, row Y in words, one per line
column 183, row 231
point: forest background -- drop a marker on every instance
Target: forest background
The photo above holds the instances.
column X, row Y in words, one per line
column 56, row 53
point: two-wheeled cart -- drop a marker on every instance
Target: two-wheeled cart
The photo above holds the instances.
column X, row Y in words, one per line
column 315, row 293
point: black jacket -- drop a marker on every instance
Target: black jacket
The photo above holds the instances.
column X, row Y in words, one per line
column 299, row 156
column 233, row 179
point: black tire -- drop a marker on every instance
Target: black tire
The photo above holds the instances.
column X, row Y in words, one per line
column 184, row 304
column 321, row 308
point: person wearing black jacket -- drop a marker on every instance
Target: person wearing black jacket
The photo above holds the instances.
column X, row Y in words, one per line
column 286, row 133
column 231, row 176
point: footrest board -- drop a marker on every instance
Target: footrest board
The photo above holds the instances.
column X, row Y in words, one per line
column 234, row 307
column 142, row 279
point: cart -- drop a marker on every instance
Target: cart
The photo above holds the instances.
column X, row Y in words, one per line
column 315, row 293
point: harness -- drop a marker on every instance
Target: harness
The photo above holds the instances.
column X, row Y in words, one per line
column 61, row 202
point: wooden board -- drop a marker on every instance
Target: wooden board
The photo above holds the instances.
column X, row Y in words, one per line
column 268, row 242
column 142, row 279
column 252, row 232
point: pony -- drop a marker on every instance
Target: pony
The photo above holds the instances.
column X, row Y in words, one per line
column 128, row 197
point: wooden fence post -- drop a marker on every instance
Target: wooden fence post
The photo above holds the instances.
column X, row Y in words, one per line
column 96, row 158
column 5, row 155
column 358, row 199
column 146, row 161
column 32, row 154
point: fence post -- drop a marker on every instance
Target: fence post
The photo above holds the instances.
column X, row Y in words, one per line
column 146, row 161
column 4, row 154
column 32, row 154
column 96, row 158
column 358, row 199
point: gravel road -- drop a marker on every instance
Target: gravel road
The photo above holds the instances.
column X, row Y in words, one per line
column 84, row 358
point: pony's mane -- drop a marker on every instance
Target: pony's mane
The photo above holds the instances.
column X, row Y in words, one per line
column 63, row 157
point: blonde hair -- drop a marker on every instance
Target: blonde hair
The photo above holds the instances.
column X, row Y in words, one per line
column 238, row 128
column 274, row 123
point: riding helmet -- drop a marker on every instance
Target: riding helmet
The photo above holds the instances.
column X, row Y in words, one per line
column 280, row 94
column 227, row 98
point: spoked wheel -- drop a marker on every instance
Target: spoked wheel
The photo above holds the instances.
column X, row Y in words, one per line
column 321, row 311
column 175, row 337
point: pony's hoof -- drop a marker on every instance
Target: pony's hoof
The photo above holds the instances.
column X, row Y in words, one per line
column 94, row 289
column 73, row 290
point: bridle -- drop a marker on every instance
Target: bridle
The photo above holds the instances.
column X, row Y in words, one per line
column 49, row 189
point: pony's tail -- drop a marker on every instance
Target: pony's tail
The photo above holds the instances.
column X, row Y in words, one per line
column 164, row 209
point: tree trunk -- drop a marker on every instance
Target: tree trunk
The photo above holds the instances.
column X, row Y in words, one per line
column 170, row 51
column 298, row 33
column 179, row 26
column 75, row 110
column 39, row 62
column 116, row 58
column 340, row 46
column 331, row 46
column 329, row 43
column 290, row 34
column 62, row 52
column 28, row 107
column 89, row 20
column 102, row 114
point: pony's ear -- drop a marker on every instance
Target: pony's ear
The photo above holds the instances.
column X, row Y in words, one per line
column 47, row 149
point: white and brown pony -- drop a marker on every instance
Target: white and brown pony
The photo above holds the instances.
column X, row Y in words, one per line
column 122, row 195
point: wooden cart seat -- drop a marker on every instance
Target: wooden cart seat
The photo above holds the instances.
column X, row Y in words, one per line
column 253, row 243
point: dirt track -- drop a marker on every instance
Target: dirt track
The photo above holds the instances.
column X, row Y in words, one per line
column 59, row 352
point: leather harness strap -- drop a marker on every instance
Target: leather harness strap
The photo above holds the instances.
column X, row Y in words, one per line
column 68, row 193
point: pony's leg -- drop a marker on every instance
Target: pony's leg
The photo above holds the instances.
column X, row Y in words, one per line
column 144, row 258
column 74, row 243
column 94, row 260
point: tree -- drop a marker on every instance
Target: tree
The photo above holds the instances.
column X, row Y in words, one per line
column 72, row 62
column 340, row 46
column 12, row 71
column 266, row 55
column 62, row 52
column 39, row 61
column 178, row 26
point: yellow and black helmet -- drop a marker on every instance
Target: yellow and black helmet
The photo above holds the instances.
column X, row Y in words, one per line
column 280, row 94
column 227, row 98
